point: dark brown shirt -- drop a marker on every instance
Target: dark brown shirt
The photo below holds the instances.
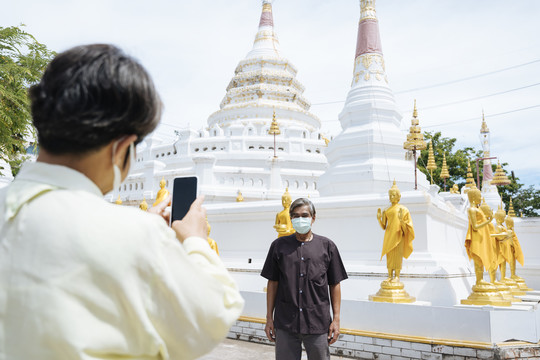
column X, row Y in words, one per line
column 303, row 271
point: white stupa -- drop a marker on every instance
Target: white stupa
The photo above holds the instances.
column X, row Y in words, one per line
column 368, row 154
column 236, row 152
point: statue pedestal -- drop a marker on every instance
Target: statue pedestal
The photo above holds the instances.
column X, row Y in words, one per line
column 504, row 290
column 486, row 294
column 522, row 286
column 392, row 292
column 514, row 287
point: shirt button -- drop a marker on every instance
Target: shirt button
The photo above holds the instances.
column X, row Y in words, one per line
column 300, row 291
column 301, row 275
column 302, row 258
column 302, row 244
column 300, row 309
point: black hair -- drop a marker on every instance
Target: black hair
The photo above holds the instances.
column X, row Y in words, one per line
column 301, row 202
column 90, row 95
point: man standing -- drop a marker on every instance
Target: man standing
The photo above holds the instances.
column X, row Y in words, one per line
column 300, row 268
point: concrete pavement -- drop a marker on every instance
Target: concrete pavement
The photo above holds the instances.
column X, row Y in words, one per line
column 243, row 350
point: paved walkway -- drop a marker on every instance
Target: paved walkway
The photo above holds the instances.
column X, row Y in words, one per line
column 244, row 350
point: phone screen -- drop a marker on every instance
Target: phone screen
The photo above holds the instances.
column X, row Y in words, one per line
column 183, row 195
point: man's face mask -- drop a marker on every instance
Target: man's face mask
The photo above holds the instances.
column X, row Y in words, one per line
column 302, row 225
column 117, row 174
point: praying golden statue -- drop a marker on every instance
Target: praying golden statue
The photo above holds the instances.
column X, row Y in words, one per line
column 517, row 254
column 397, row 244
column 399, row 233
column 211, row 242
column 480, row 248
column 283, row 224
column 162, row 193
column 454, row 189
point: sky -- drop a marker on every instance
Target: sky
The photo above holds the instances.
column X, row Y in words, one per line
column 457, row 58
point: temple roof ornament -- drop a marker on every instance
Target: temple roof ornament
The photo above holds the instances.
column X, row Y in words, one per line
column 500, row 177
column 444, row 171
column 470, row 183
column 431, row 165
column 415, row 138
column 511, row 211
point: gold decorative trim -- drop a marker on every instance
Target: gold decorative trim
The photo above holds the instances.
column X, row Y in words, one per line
column 411, row 338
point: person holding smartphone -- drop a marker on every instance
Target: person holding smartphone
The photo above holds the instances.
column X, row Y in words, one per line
column 302, row 270
column 81, row 278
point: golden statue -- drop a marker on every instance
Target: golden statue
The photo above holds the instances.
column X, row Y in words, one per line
column 118, row 201
column 239, row 197
column 481, row 250
column 504, row 238
column 162, row 193
column 211, row 242
column 143, row 205
column 397, row 244
column 517, row 254
column 496, row 237
column 454, row 189
column 283, row 224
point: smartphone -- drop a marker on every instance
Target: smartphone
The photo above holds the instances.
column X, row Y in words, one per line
column 183, row 194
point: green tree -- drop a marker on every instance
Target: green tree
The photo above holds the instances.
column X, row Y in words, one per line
column 526, row 200
column 22, row 62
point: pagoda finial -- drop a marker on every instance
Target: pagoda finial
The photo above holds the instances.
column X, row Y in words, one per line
column 484, row 129
column 431, row 165
column 118, row 201
column 266, row 42
column 369, row 39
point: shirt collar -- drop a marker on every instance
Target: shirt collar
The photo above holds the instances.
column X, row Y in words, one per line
column 37, row 178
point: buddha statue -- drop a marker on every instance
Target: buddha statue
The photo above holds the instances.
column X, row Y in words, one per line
column 396, row 222
column 162, row 193
column 517, row 254
column 454, row 189
column 478, row 239
column 239, row 197
column 398, row 233
column 211, row 242
column 497, row 236
column 143, row 205
column 118, row 201
column 283, row 224
column 480, row 248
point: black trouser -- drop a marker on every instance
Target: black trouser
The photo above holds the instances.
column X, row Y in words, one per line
column 289, row 346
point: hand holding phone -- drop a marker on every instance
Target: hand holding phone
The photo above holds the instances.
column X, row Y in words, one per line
column 188, row 217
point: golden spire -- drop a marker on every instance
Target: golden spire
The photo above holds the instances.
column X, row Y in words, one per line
column 118, row 201
column 143, row 205
column 444, row 171
column 511, row 211
column 274, row 127
column 500, row 177
column 470, row 180
column 484, row 129
column 431, row 165
column 239, row 198
column 415, row 139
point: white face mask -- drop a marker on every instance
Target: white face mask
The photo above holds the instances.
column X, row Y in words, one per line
column 301, row 225
column 117, row 175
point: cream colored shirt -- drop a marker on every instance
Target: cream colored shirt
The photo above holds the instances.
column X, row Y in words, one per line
column 81, row 278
